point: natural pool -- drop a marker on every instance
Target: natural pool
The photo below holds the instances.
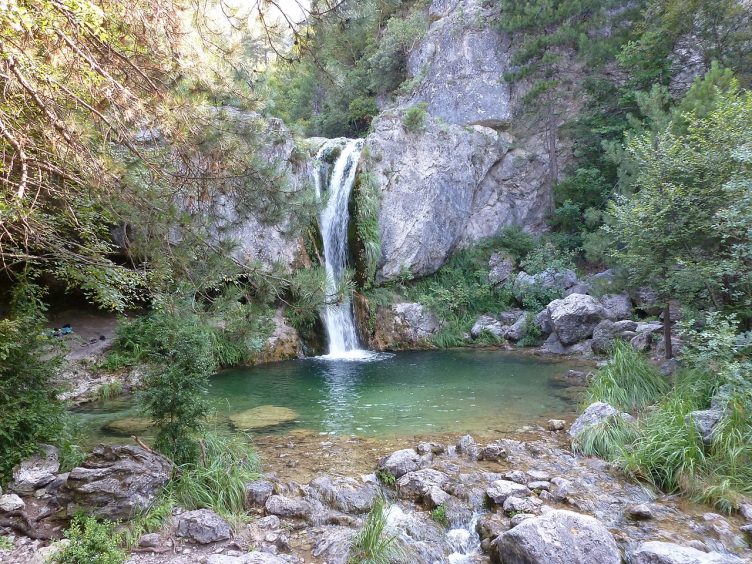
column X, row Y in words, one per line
column 405, row 394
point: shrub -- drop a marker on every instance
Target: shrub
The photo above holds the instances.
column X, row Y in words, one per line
column 373, row 544
column 439, row 515
column 628, row 381
column 414, row 120
column 386, row 477
column 92, row 542
column 217, row 479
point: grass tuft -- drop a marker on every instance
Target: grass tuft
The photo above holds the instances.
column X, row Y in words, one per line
column 374, row 544
column 439, row 514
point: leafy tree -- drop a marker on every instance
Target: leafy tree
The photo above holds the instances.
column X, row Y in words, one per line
column 670, row 234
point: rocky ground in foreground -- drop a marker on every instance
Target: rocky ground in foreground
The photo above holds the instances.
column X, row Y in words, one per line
column 507, row 500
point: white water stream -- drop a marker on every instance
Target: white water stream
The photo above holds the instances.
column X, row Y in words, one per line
column 338, row 316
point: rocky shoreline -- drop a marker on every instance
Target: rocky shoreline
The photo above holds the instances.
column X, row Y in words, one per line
column 521, row 498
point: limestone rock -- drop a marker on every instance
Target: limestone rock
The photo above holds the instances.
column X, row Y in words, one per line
column 655, row 552
column 493, row 451
column 405, row 324
column 500, row 267
column 517, row 330
column 128, row 426
column 594, row 414
column 639, row 512
column 467, row 445
column 283, row 506
column 558, row 537
column 149, row 540
column 36, row 471
column 263, row 416
column 11, row 502
column 203, row 526
column 256, row 493
column 401, row 462
column 500, row 490
column 284, row 342
column 116, row 480
column 345, row 494
column 607, row 331
column 706, row 421
column 574, row 318
column 556, row 424
column 514, row 504
column 617, row 306
column 487, row 324
column 414, row 485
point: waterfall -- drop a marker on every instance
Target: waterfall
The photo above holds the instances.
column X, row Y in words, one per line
column 338, row 317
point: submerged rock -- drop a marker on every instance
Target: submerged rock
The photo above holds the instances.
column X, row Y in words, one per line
column 203, row 526
column 263, row 416
column 558, row 537
column 116, row 480
column 128, row 426
column 655, row 552
column 36, row 471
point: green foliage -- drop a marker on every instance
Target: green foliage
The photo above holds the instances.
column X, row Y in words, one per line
column 32, row 414
column 91, row 541
column 386, row 477
column 217, row 479
column 149, row 520
column 110, row 390
column 606, row 439
column 6, row 543
column 308, row 295
column 628, row 382
column 533, row 334
column 367, row 205
column 439, row 514
column 374, row 544
column 414, row 120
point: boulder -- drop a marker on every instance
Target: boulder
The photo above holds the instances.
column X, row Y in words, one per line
column 11, row 502
column 594, row 414
column 617, row 306
column 574, row 318
column 558, row 537
column 514, row 504
column 403, row 325
column 467, row 445
column 705, row 421
column 425, row 448
column 607, row 331
column 203, row 526
column 656, row 552
column 401, row 462
column 332, row 545
column 487, row 324
column 36, row 471
column 517, row 330
column 256, row 493
column 642, row 342
column 500, row 490
column 547, row 279
column 284, row 506
column 500, row 268
column 149, row 540
column 639, row 512
column 345, row 494
column 115, row 481
column 415, row 485
column 263, row 416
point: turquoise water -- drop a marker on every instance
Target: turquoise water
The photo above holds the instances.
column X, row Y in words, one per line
column 409, row 393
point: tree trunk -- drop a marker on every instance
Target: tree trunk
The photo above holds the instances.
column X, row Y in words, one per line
column 667, row 331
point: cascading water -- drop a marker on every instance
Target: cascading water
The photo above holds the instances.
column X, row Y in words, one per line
column 338, row 317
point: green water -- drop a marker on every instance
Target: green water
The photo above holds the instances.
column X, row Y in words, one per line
column 410, row 393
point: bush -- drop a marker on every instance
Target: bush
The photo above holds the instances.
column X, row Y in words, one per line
column 628, row 381
column 414, row 120
column 91, row 542
column 373, row 544
column 217, row 479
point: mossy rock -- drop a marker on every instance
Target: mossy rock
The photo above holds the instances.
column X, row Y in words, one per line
column 128, row 426
column 262, row 416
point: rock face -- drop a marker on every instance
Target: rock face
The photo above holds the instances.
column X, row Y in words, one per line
column 284, row 342
column 116, row 480
column 404, row 325
column 655, row 552
column 558, row 537
column 573, row 319
column 36, row 471
column 203, row 526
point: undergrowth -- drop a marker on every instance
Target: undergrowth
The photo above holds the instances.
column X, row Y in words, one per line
column 92, row 542
column 374, row 544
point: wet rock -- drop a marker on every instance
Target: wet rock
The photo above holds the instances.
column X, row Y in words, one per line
column 639, row 512
column 203, row 526
column 500, row 490
column 500, row 268
column 574, row 318
column 256, row 493
column 401, row 462
column 11, row 502
column 467, row 445
column 493, row 452
column 556, row 424
column 414, row 485
column 149, row 540
column 558, row 537
column 36, row 471
column 594, row 414
column 607, row 331
column 655, row 552
column 262, row 417
column 487, row 324
column 706, row 421
column 617, row 306
column 116, row 480
column 287, row 507
column 514, row 504
column 345, row 494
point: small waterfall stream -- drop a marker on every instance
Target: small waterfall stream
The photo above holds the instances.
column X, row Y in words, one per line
column 338, row 317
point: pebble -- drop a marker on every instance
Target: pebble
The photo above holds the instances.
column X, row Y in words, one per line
column 556, row 424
